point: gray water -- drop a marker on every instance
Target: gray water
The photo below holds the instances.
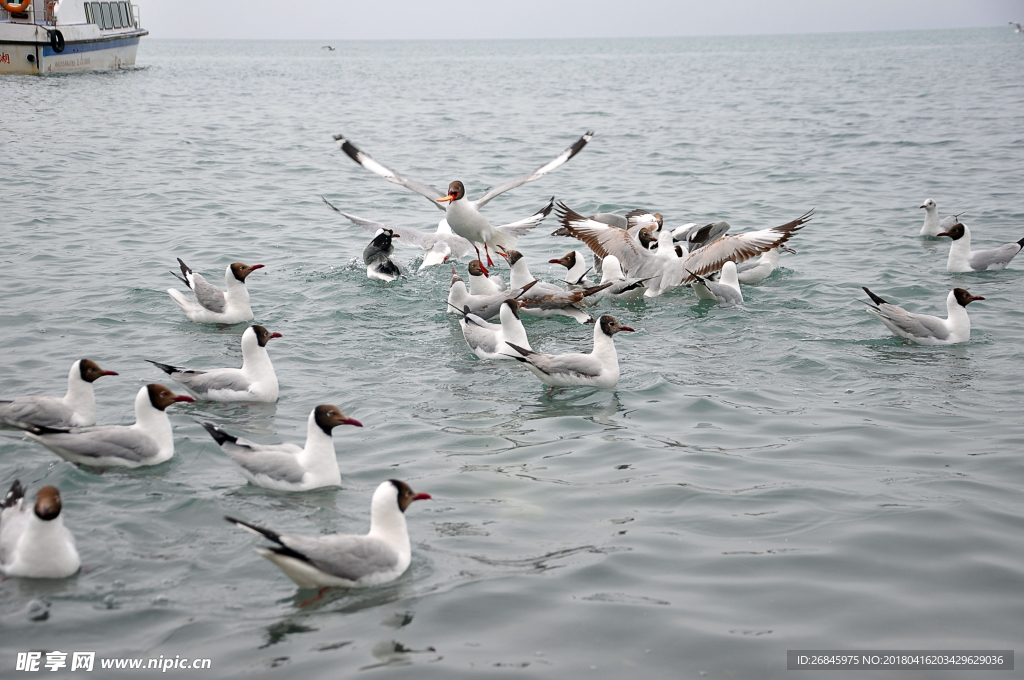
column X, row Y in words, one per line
column 780, row 475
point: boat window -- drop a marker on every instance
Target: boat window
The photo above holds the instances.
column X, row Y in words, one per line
column 115, row 10
column 94, row 12
column 108, row 21
column 88, row 13
column 129, row 19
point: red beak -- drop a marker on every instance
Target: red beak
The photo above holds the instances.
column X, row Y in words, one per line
column 108, row 373
column 352, row 421
column 276, row 335
column 626, row 328
column 182, row 397
column 395, row 236
column 554, row 262
column 976, row 297
column 258, row 266
column 421, row 497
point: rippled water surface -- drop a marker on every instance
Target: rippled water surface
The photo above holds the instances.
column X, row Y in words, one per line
column 780, row 475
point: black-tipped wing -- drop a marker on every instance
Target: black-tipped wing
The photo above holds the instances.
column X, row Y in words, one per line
column 387, row 173
column 524, row 225
column 559, row 160
column 740, row 247
column 602, row 239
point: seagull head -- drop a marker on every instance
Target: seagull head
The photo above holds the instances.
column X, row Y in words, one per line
column 456, row 190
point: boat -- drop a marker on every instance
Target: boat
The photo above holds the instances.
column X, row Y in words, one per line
column 55, row 36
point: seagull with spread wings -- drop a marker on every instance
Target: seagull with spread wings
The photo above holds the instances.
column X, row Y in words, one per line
column 462, row 214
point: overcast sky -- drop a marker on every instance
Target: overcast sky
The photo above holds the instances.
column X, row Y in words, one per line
column 460, row 19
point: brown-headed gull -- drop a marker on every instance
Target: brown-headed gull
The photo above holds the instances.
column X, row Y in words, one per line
column 213, row 305
column 600, row 368
column 963, row 259
column 462, row 214
column 77, row 408
column 288, row 467
column 932, row 224
column 665, row 269
column 546, row 299
column 481, row 282
column 484, row 306
column 377, row 257
column 577, row 269
column 148, row 442
column 922, row 328
column 34, row 543
column 488, row 340
column 347, row 560
column 254, row 381
column 724, row 291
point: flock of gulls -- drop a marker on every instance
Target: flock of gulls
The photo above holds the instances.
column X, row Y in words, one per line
column 633, row 256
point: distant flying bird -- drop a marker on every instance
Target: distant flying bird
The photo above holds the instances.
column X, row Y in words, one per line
column 1017, row 28
column 328, row 47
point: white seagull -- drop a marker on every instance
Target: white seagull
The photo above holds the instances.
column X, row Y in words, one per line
column 932, row 224
column 577, row 269
column 963, row 259
column 288, row 467
column 488, row 340
column 462, row 214
column 438, row 246
column 662, row 265
column 148, row 442
column 725, row 291
column 621, row 288
column 481, row 282
column 34, row 543
column 600, row 368
column 546, row 299
column 756, row 271
column 348, row 560
column 1017, row 28
column 922, row 328
column 484, row 306
column 254, row 381
column 213, row 305
column 77, row 408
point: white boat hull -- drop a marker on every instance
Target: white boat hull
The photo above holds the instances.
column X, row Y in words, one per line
column 77, row 57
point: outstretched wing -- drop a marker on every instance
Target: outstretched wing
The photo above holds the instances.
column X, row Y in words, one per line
column 602, row 239
column 561, row 159
column 409, row 235
column 387, row 173
column 740, row 247
column 524, row 225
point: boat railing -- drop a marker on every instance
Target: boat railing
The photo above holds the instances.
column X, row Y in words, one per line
column 43, row 13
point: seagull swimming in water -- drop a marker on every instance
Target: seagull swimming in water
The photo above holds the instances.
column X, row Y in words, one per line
column 288, row 467
column 213, row 305
column 347, row 560
column 34, row 543
column 963, row 259
column 463, row 215
column 923, row 328
column 77, row 408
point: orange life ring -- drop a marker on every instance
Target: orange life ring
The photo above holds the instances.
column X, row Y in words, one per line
column 16, row 8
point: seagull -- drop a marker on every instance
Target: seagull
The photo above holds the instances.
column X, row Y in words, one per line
column 756, row 271
column 148, row 442
column 34, row 543
column 664, row 268
column 725, row 291
column 963, row 259
column 577, row 268
column 1017, row 27
column 621, row 288
column 328, row 47
column 77, row 408
column 347, row 560
column 462, row 214
column 212, row 305
column 600, row 368
column 922, row 328
column 932, row 224
column 481, row 282
column 488, row 340
column 254, row 381
column 287, row 467
column 438, row 246
column 484, row 306
column 546, row 299
column 696, row 237
column 377, row 257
